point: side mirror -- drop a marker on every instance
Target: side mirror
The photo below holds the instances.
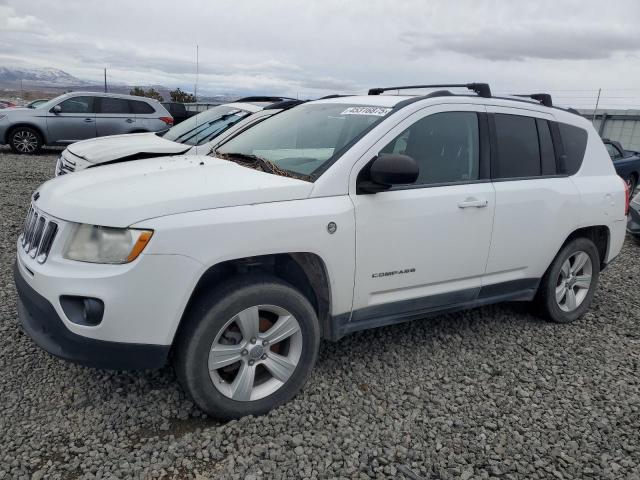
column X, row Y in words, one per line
column 57, row 109
column 385, row 171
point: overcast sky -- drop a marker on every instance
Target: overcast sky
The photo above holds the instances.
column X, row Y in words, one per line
column 308, row 48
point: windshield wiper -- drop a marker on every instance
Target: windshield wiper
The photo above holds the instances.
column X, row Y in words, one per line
column 259, row 163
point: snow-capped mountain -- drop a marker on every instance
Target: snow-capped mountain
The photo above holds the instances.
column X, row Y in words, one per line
column 37, row 77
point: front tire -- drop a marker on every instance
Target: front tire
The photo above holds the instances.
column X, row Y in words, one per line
column 248, row 348
column 25, row 140
column 568, row 286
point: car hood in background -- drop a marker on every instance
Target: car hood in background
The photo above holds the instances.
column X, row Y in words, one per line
column 117, row 147
column 120, row 195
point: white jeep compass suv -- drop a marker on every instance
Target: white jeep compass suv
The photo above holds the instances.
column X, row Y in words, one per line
column 335, row 216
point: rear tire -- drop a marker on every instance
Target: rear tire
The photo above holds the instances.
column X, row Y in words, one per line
column 230, row 370
column 567, row 288
column 25, row 140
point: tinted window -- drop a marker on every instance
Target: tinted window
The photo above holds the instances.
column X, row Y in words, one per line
column 77, row 105
column 518, row 152
column 141, row 107
column 547, row 152
column 113, row 105
column 614, row 153
column 445, row 145
column 574, row 140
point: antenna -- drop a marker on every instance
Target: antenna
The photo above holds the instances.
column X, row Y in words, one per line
column 105, row 80
column 195, row 90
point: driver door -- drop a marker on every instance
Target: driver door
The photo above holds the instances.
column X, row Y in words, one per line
column 75, row 121
column 424, row 246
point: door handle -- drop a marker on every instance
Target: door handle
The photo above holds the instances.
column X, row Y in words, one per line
column 473, row 202
column 88, row 120
column 130, row 120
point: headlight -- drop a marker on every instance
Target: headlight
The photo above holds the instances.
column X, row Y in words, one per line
column 90, row 243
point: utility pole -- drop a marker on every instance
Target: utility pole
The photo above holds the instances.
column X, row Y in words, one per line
column 105, row 80
column 21, row 90
column 597, row 102
column 195, row 89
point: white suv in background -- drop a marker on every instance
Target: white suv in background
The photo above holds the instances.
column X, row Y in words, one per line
column 338, row 215
column 194, row 136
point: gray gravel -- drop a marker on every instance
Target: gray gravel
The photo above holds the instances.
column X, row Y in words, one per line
column 490, row 393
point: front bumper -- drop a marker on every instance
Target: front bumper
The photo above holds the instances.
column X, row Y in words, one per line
column 42, row 323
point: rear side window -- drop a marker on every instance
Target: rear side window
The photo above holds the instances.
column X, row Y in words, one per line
column 113, row 105
column 574, row 140
column 141, row 107
column 445, row 146
column 518, row 150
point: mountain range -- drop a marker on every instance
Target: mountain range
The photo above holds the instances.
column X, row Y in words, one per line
column 56, row 81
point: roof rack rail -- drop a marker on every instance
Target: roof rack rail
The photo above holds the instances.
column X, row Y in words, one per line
column 543, row 98
column 334, row 95
column 262, row 98
column 482, row 89
column 284, row 105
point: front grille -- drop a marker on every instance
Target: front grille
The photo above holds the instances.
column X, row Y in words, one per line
column 65, row 165
column 38, row 235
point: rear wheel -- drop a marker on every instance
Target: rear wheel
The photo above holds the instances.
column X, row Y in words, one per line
column 25, row 140
column 568, row 286
column 247, row 349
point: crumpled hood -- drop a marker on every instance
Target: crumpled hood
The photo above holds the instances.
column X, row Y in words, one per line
column 122, row 194
column 116, row 147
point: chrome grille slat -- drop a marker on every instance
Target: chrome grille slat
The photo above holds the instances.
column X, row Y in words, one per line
column 38, row 235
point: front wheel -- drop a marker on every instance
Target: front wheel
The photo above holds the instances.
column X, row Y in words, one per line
column 247, row 349
column 568, row 286
column 25, row 140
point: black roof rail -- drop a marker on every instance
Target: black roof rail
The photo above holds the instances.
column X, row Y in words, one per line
column 335, row 95
column 284, row 105
column 482, row 89
column 543, row 98
column 263, row 98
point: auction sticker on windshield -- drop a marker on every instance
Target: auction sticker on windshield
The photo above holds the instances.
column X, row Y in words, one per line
column 377, row 111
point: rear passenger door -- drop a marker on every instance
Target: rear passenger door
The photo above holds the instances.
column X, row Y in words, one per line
column 536, row 203
column 114, row 116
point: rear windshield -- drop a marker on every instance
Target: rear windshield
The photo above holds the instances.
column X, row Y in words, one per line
column 308, row 138
column 205, row 126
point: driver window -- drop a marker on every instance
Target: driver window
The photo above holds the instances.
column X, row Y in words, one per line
column 77, row 105
column 445, row 145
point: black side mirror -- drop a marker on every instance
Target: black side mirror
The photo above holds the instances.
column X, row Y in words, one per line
column 56, row 109
column 385, row 171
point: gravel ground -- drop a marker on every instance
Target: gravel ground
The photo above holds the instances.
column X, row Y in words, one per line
column 490, row 393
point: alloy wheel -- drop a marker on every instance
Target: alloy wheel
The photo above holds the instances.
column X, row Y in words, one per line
column 255, row 353
column 25, row 141
column 574, row 281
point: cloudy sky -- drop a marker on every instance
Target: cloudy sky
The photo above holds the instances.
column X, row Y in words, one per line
column 308, row 48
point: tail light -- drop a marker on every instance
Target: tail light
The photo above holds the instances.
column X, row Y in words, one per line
column 167, row 120
column 627, row 196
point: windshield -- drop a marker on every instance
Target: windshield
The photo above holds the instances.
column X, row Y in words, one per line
column 50, row 103
column 306, row 138
column 205, row 126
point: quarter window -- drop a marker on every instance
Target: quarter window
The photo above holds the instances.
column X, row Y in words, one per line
column 574, row 140
column 445, row 145
column 141, row 107
column 77, row 105
column 113, row 105
column 518, row 151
